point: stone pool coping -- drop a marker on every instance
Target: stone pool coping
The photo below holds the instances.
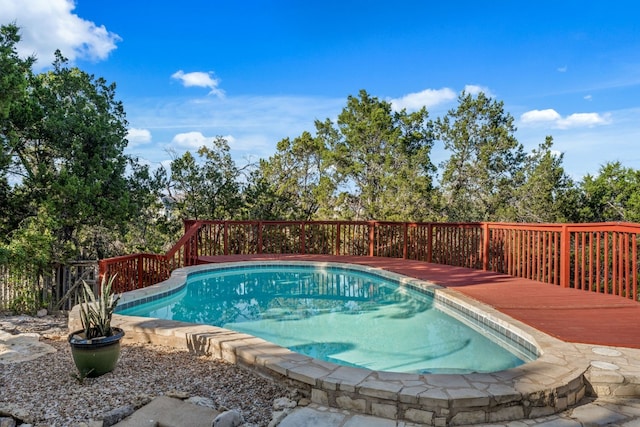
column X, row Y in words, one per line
column 561, row 376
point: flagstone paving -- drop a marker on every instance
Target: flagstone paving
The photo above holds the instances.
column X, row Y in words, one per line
column 600, row 412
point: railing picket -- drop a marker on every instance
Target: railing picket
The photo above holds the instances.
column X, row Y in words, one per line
column 611, row 263
column 606, row 263
column 627, row 267
column 634, row 266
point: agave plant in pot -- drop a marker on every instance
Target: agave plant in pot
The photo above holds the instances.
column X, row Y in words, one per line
column 96, row 347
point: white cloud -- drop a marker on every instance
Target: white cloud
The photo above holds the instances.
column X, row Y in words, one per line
column 553, row 118
column 588, row 97
column 199, row 79
column 563, row 69
column 190, row 140
column 195, row 140
column 476, row 89
column 47, row 25
column 584, row 120
column 549, row 115
column 138, row 136
column 427, row 98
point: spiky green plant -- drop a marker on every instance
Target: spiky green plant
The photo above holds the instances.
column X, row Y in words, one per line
column 95, row 313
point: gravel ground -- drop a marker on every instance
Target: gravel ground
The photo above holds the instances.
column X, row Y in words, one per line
column 48, row 390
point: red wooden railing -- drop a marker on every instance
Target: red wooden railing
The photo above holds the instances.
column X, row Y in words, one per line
column 599, row 257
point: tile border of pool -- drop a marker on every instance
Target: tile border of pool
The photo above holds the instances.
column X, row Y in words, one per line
column 549, row 384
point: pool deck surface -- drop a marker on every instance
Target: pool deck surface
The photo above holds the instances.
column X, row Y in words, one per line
column 567, row 314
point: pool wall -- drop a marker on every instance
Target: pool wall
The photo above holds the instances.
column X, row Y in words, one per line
column 549, row 384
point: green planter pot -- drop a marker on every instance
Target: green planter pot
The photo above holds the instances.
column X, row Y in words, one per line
column 97, row 356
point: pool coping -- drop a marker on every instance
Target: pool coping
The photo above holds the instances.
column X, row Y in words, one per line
column 549, row 384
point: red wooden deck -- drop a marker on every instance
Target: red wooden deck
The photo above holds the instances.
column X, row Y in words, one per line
column 568, row 314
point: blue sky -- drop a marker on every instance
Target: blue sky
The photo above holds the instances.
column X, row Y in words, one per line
column 258, row 71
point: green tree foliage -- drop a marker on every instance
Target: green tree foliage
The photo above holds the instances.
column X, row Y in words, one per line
column 63, row 135
column 372, row 164
column 261, row 199
column 72, row 160
column 548, row 194
column 485, row 168
column 382, row 160
column 297, row 178
column 152, row 228
column 209, row 189
column 612, row 195
column 17, row 114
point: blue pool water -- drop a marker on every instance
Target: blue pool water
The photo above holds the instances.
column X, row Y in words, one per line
column 339, row 315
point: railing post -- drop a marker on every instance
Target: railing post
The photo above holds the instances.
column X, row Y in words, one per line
column 565, row 256
column 196, row 246
column 338, row 239
column 634, row 267
column 140, row 271
column 187, row 252
column 259, row 237
column 194, row 250
column 372, row 236
column 225, row 238
column 302, row 238
column 405, row 247
column 485, row 246
column 430, row 242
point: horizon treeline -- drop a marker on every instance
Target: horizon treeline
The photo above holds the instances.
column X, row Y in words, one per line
column 68, row 190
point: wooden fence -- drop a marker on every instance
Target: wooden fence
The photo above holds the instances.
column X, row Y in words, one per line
column 598, row 257
column 26, row 290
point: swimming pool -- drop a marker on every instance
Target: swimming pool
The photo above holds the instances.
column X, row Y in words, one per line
column 341, row 315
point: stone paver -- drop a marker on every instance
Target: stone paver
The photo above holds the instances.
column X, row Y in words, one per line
column 22, row 347
column 170, row 412
column 601, row 412
column 314, row 416
column 596, row 414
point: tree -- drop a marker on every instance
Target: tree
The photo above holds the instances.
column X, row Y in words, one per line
column 208, row 190
column 382, row 160
column 18, row 113
column 612, row 195
column 67, row 158
column 297, row 176
column 152, row 228
column 261, row 198
column 548, row 193
column 485, row 168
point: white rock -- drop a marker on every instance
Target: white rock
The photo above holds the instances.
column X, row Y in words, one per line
column 283, row 403
column 42, row 312
column 231, row 418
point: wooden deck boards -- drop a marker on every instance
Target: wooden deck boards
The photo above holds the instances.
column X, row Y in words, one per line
column 568, row 314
